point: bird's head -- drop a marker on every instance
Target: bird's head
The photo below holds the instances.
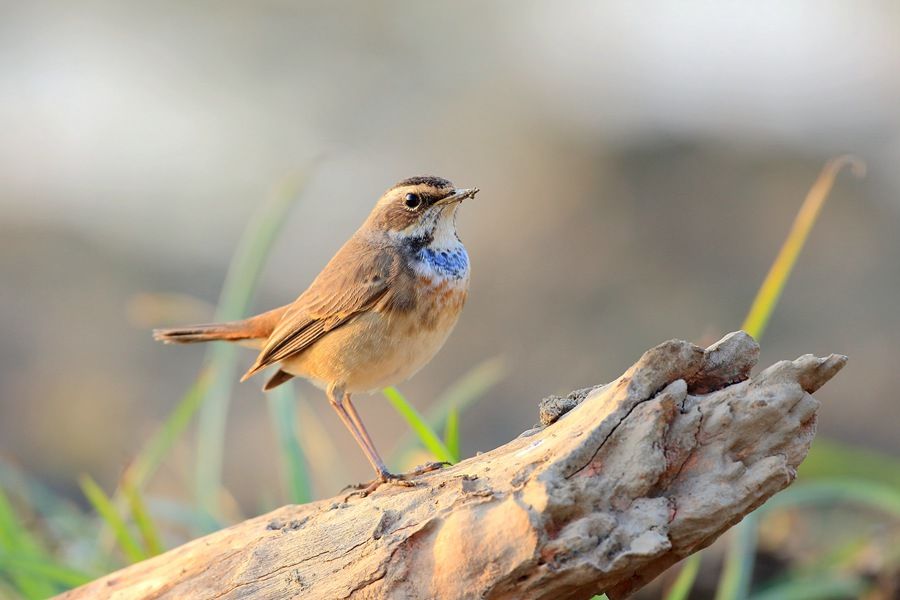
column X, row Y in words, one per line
column 419, row 208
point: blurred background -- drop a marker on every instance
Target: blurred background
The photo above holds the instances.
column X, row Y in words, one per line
column 639, row 167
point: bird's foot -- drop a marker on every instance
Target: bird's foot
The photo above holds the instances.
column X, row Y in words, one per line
column 364, row 489
column 427, row 468
column 403, row 480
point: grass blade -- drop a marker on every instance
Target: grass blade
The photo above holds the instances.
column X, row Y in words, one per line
column 770, row 291
column 451, row 434
column 735, row 579
column 16, row 540
column 470, row 388
column 52, row 508
column 282, row 408
column 734, row 582
column 243, row 275
column 11, row 532
column 61, row 521
column 829, row 458
column 155, row 451
column 881, row 497
column 44, row 571
column 142, row 519
column 821, row 587
column 105, row 509
column 422, row 429
column 681, row 589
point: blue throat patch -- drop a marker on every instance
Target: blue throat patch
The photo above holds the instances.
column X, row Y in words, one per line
column 453, row 264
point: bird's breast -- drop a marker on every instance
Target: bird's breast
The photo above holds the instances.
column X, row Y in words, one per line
column 388, row 344
column 438, row 304
column 442, row 284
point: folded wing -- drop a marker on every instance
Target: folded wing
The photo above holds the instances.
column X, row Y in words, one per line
column 355, row 281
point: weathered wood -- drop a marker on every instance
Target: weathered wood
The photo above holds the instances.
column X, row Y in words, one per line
column 628, row 479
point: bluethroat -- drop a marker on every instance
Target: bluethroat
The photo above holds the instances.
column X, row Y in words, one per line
column 378, row 312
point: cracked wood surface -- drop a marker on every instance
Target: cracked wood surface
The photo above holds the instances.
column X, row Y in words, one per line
column 621, row 482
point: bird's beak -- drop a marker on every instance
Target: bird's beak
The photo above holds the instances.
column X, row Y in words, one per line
column 458, row 196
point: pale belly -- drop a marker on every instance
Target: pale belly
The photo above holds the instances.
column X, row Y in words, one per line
column 377, row 350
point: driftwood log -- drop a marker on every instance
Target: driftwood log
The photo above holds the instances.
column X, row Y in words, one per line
column 619, row 483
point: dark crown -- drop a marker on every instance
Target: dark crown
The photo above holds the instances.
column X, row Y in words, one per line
column 438, row 182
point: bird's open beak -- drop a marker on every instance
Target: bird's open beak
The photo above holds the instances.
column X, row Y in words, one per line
column 458, row 196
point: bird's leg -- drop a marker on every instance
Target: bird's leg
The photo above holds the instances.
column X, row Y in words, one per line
column 337, row 397
column 420, row 470
column 354, row 416
column 343, row 406
column 339, row 401
column 384, row 476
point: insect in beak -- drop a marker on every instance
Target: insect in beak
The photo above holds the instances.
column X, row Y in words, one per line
column 458, row 196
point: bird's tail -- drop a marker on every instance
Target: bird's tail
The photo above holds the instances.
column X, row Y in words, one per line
column 254, row 328
column 233, row 331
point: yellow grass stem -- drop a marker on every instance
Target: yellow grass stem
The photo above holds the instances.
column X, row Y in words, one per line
column 770, row 291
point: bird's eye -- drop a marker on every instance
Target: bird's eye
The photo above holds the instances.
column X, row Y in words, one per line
column 413, row 201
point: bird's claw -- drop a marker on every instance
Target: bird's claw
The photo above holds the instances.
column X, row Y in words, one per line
column 364, row 489
column 403, row 480
column 428, row 468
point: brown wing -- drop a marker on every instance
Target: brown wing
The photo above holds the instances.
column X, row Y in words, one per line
column 356, row 280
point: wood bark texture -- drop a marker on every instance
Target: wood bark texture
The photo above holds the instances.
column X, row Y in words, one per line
column 620, row 482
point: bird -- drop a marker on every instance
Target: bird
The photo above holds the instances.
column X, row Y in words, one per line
column 379, row 310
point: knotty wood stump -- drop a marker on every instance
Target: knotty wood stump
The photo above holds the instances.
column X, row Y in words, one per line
column 618, row 483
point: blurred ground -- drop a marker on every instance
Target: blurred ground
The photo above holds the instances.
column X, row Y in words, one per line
column 638, row 168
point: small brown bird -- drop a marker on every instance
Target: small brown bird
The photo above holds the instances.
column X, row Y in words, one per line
column 378, row 312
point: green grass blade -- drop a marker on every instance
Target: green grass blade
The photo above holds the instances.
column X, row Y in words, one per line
column 142, row 519
column 822, row 587
column 451, row 434
column 105, row 509
column 211, row 430
column 45, row 571
column 878, row 496
column 10, row 530
column 282, row 408
column 735, row 579
column 770, row 291
column 829, row 458
column 59, row 513
column 155, row 451
column 16, row 540
column 470, row 388
column 240, row 283
column 681, row 589
column 61, row 521
column 734, row 582
column 422, row 429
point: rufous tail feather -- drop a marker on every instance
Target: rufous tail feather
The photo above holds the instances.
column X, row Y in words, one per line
column 204, row 333
column 258, row 327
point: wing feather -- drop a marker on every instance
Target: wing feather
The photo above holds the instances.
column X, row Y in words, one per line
column 355, row 281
